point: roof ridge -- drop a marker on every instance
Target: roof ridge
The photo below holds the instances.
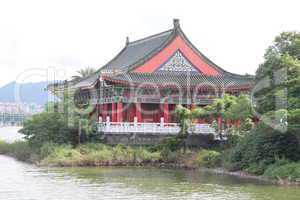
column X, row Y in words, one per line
column 150, row 37
column 146, row 57
column 172, row 74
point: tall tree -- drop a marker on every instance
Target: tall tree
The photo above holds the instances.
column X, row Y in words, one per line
column 278, row 77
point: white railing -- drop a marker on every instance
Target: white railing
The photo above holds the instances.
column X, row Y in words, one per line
column 131, row 127
column 151, row 128
column 201, row 129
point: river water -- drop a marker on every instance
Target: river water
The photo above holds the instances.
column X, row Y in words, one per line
column 10, row 134
column 21, row 181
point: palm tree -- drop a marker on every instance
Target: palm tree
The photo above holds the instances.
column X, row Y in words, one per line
column 218, row 109
column 83, row 73
column 186, row 117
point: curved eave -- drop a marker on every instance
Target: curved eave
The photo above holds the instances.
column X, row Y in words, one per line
column 245, row 86
column 88, row 82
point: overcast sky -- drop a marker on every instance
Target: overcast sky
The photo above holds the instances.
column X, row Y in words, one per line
column 70, row 35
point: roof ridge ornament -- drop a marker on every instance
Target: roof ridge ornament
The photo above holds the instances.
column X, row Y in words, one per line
column 127, row 40
column 176, row 23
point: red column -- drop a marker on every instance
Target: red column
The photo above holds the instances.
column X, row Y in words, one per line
column 113, row 112
column 120, row 111
column 98, row 110
column 104, row 111
column 166, row 111
column 228, row 122
column 138, row 111
column 238, row 123
column 220, row 121
column 132, row 112
column 193, row 106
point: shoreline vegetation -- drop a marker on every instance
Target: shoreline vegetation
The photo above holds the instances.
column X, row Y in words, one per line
column 101, row 155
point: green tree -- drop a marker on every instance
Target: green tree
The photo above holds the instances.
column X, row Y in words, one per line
column 278, row 78
column 48, row 127
column 184, row 115
column 219, row 108
column 83, row 73
column 240, row 109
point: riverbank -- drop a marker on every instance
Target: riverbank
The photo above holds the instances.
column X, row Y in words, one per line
column 100, row 155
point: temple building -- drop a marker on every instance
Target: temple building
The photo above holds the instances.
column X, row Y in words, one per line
column 137, row 91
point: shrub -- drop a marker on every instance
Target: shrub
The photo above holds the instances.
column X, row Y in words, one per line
column 170, row 156
column 258, row 168
column 169, row 147
column 90, row 147
column 99, row 157
column 95, row 155
column 21, row 150
column 48, row 127
column 47, row 149
column 172, row 144
column 261, row 147
column 144, row 155
column 121, row 153
column 63, row 155
column 289, row 171
column 4, row 147
column 233, row 140
column 210, row 159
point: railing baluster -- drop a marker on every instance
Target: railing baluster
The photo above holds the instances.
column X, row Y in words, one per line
column 155, row 128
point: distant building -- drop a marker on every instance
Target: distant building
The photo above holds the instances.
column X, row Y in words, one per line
column 26, row 108
column 15, row 114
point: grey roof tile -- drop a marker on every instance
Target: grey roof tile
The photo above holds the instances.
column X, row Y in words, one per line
column 182, row 79
column 137, row 50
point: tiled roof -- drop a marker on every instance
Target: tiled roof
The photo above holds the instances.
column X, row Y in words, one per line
column 132, row 53
column 138, row 52
column 182, row 80
column 87, row 82
column 135, row 51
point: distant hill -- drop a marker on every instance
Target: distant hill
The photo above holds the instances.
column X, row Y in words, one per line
column 29, row 93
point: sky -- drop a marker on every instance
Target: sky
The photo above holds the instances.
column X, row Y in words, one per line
column 40, row 39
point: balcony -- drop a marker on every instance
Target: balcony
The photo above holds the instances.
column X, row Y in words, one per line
column 199, row 100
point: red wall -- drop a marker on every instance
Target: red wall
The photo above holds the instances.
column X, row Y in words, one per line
column 178, row 43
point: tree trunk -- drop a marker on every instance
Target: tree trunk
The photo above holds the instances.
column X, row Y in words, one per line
column 79, row 130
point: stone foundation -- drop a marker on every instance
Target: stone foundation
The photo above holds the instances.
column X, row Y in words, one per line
column 193, row 141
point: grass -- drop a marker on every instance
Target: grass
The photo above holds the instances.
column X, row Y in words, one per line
column 4, row 147
column 92, row 154
column 97, row 155
column 209, row 159
column 19, row 149
column 288, row 171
